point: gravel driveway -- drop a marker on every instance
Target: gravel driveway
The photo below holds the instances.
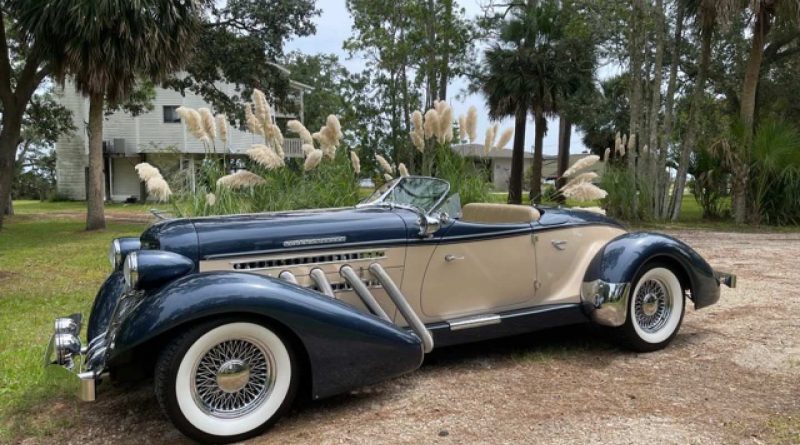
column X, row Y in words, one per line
column 732, row 375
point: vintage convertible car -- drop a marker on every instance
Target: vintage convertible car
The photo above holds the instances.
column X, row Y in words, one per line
column 234, row 316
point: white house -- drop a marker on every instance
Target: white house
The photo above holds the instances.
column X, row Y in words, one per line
column 157, row 136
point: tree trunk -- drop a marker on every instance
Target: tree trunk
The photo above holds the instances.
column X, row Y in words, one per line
column 654, row 142
column 691, row 132
column 637, row 55
column 9, row 137
column 95, row 218
column 669, row 111
column 517, row 158
column 748, row 109
column 444, row 74
column 564, row 136
column 538, row 145
column 10, row 208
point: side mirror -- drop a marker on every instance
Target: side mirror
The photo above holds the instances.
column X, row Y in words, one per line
column 428, row 225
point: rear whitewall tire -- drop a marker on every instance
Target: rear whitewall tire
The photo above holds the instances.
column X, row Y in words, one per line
column 185, row 380
column 656, row 306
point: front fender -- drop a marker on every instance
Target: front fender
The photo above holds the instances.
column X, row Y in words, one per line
column 346, row 348
column 613, row 269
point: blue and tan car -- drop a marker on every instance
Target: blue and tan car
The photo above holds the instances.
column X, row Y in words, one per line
column 234, row 316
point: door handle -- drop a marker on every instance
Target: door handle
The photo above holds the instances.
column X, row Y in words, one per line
column 450, row 258
column 559, row 244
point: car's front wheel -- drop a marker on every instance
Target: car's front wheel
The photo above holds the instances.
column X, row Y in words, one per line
column 225, row 381
column 655, row 309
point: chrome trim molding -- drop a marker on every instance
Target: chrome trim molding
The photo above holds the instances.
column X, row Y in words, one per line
column 605, row 303
column 314, row 241
column 475, row 321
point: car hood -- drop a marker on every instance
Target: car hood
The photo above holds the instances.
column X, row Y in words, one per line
column 266, row 232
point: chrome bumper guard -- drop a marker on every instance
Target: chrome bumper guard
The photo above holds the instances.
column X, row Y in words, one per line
column 725, row 278
column 605, row 303
column 65, row 350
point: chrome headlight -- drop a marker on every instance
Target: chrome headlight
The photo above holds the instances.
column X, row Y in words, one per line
column 131, row 270
column 115, row 254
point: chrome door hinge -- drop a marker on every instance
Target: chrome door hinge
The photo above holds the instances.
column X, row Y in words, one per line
column 537, row 284
column 534, row 239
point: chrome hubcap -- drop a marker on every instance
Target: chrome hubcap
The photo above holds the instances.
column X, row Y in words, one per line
column 652, row 305
column 233, row 378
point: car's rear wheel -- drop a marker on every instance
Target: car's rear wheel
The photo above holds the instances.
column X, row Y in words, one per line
column 655, row 309
column 225, row 381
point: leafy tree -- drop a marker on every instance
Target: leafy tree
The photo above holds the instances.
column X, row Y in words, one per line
column 105, row 55
column 22, row 70
column 239, row 42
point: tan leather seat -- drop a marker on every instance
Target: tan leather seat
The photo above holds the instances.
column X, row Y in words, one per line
column 499, row 213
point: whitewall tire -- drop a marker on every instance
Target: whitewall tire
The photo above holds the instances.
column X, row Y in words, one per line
column 656, row 305
column 225, row 381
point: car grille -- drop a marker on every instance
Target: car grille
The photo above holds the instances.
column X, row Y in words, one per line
column 299, row 260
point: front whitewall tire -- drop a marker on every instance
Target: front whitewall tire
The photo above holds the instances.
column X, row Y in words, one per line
column 225, row 382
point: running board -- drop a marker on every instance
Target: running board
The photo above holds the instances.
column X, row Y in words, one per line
column 474, row 321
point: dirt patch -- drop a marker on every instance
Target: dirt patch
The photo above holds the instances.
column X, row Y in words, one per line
column 731, row 372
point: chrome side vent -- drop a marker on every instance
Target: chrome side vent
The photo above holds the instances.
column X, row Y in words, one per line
column 345, row 286
column 316, row 259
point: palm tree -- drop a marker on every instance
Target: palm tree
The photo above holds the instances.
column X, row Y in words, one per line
column 524, row 72
column 104, row 46
column 766, row 13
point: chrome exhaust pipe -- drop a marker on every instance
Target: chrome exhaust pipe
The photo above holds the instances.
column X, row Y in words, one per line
column 324, row 286
column 402, row 305
column 361, row 290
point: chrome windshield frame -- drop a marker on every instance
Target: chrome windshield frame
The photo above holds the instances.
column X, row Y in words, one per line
column 380, row 200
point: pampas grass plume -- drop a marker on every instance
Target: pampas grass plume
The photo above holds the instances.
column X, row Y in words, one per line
column 211, row 199
column 418, row 139
column 489, row 141
column 472, row 123
column 403, row 170
column 584, row 192
column 194, row 122
column 146, row 171
column 505, row 137
column 265, row 156
column 241, row 179
column 431, row 124
column 307, row 149
column 445, row 132
column 384, row 164
column 252, row 121
column 387, row 177
column 158, row 188
column 222, row 127
column 312, row 160
column 207, row 119
column 462, row 127
column 262, row 109
column 296, row 126
column 607, row 154
column 355, row 162
column 581, row 164
column 580, row 179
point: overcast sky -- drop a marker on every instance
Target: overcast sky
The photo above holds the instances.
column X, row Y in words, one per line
column 334, row 27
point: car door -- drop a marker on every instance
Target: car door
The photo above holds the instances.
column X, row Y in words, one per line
column 479, row 268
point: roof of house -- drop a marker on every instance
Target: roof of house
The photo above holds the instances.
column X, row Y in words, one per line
column 476, row 150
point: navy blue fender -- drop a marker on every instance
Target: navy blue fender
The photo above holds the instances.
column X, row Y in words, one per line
column 621, row 259
column 104, row 304
column 345, row 348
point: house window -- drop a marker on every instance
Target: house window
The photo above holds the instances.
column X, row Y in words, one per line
column 171, row 114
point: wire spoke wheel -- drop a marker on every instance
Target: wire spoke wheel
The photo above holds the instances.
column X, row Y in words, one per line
column 233, row 378
column 652, row 305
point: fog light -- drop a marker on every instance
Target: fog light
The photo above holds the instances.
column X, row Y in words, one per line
column 66, row 345
column 67, row 326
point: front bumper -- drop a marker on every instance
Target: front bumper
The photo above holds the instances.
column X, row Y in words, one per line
column 728, row 279
column 86, row 363
column 605, row 303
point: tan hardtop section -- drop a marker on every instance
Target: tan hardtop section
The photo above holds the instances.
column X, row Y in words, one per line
column 499, row 213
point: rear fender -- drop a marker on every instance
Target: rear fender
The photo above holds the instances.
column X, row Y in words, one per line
column 346, row 348
column 622, row 258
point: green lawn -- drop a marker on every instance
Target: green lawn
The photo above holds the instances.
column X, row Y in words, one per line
column 49, row 267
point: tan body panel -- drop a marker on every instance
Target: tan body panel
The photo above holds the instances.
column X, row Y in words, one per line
column 562, row 256
column 495, row 275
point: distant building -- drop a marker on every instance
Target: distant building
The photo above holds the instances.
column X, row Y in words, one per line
column 157, row 136
column 499, row 163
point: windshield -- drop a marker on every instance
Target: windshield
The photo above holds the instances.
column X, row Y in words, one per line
column 421, row 192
